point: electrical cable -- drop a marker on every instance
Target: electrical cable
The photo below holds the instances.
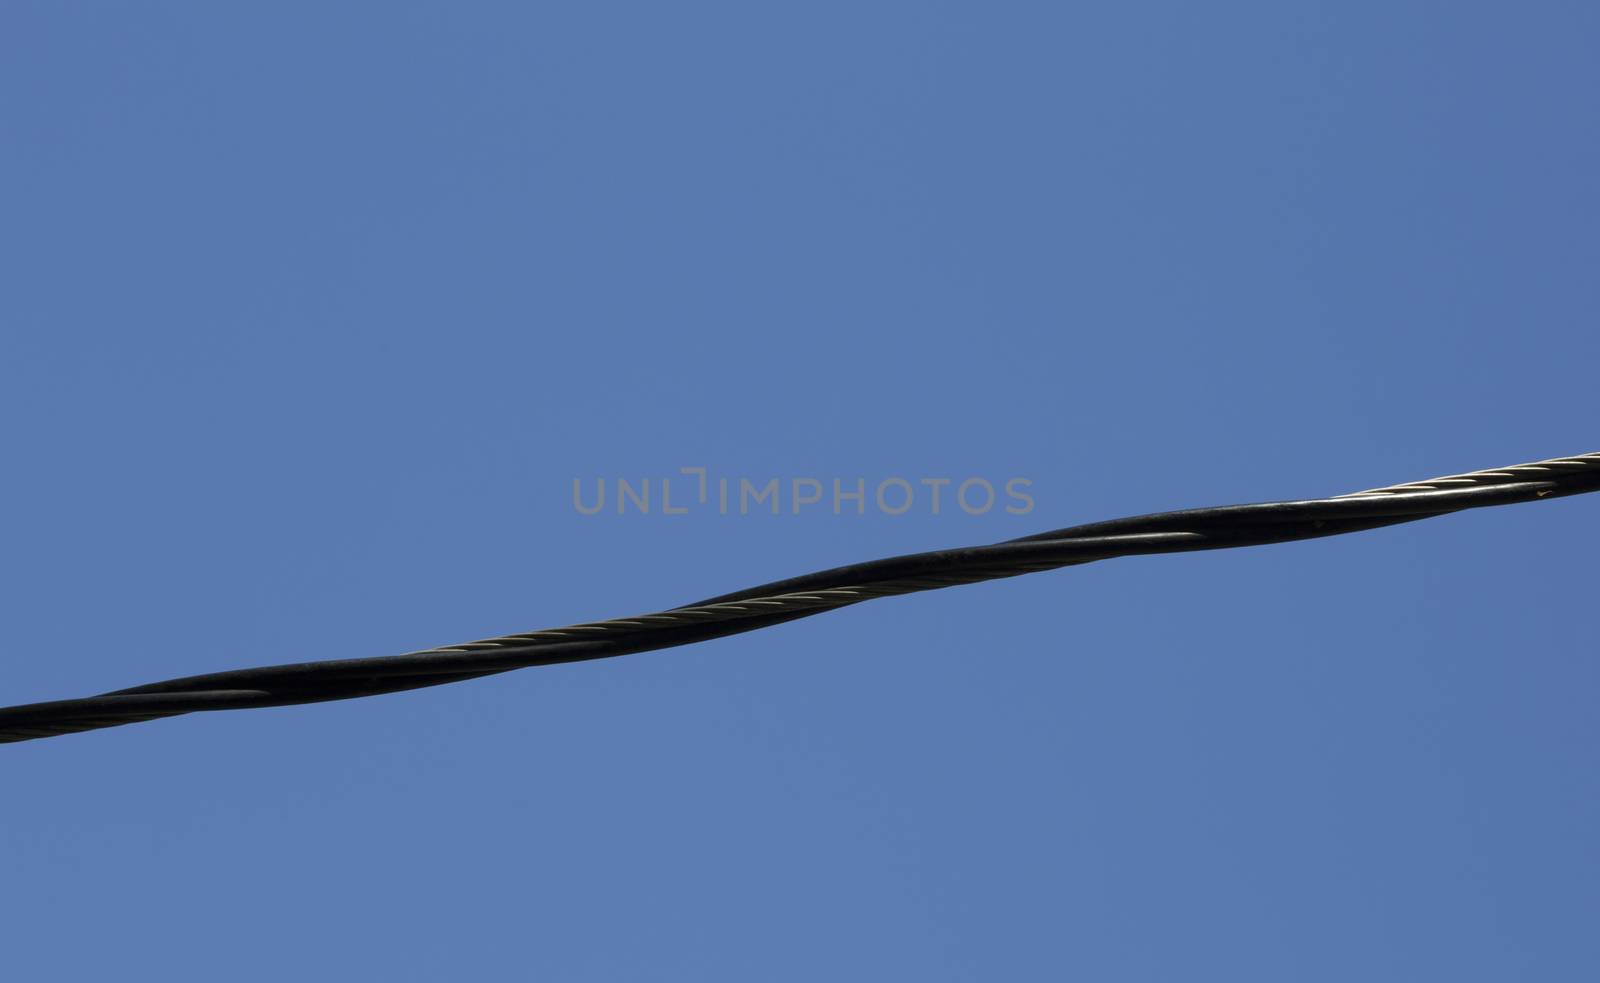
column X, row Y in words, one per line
column 1184, row 531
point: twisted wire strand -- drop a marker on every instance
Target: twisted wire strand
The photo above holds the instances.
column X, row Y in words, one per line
column 774, row 603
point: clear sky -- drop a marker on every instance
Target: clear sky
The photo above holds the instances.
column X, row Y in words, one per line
column 312, row 313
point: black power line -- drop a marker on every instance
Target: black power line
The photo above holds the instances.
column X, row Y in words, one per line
column 799, row 597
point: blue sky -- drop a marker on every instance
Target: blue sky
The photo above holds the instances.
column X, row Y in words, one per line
column 312, row 314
